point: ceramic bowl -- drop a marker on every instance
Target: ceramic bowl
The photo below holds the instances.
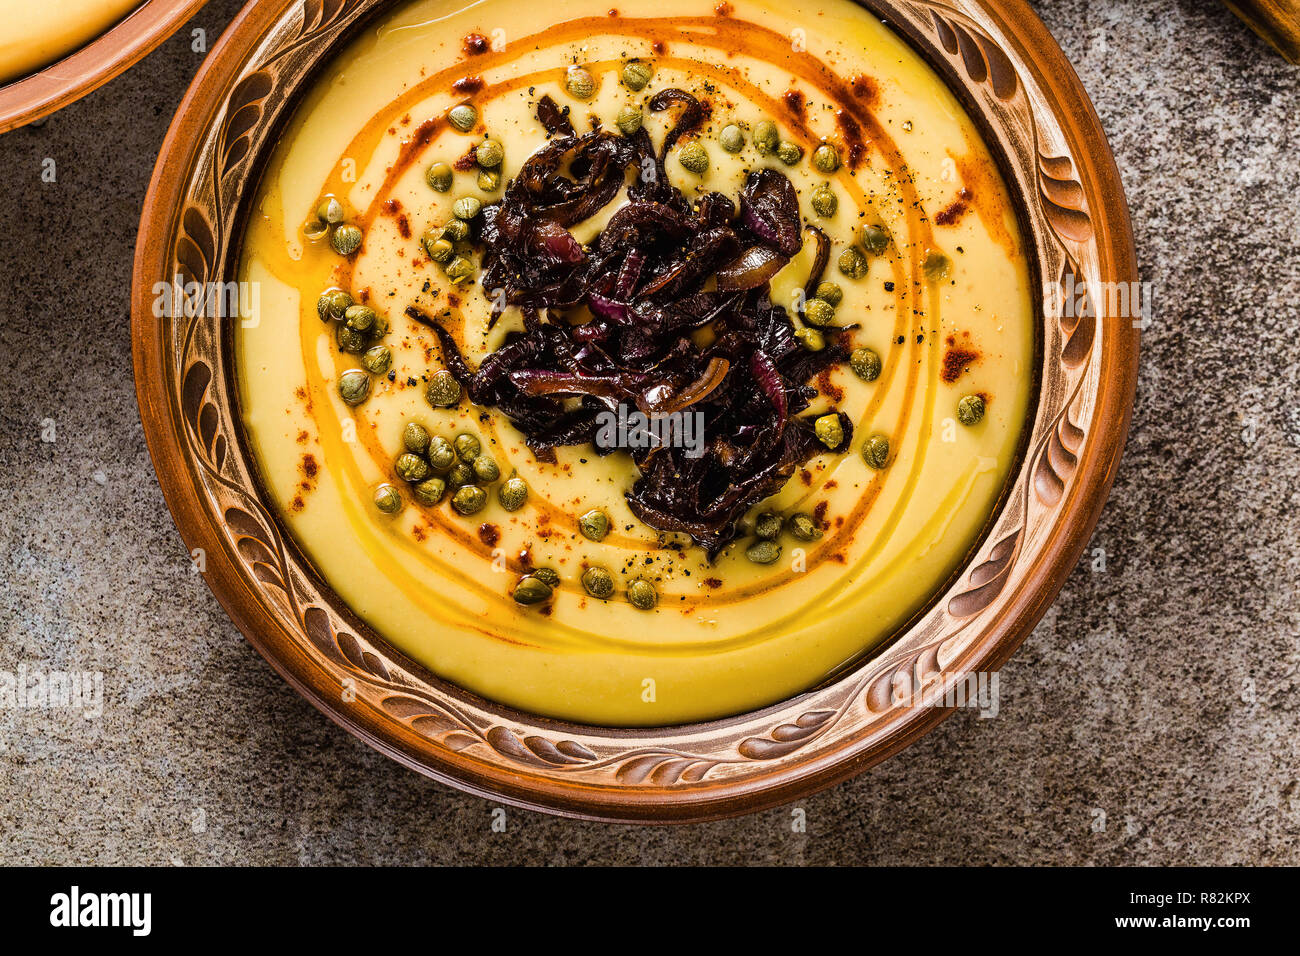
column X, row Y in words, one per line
column 90, row 67
column 1014, row 81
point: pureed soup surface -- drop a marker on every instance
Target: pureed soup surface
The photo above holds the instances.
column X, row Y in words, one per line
column 729, row 634
column 36, row 34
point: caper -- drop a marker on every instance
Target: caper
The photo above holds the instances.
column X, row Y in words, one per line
column 354, row 386
column 824, row 201
column 875, row 451
column 380, row 328
column 443, row 390
column 580, row 83
column 829, row 430
column 387, row 499
column 970, row 410
column 874, row 239
column 789, row 153
column 378, row 359
column 865, row 364
column 330, row 211
column 803, row 527
column 829, row 292
column 598, row 582
column 430, row 491
column 766, row 137
column 346, row 239
column 415, row 438
column 594, row 525
column 636, row 75
column 315, row 230
column 763, row 552
column 457, row 230
column 819, row 312
column 731, row 138
column 489, row 180
column 548, row 576
column 469, row 499
column 439, row 250
column 468, row 447
column 485, row 469
column 489, row 154
column 853, row 263
column 350, row 340
column 629, row 120
column 825, row 158
column 530, row 590
column 359, row 317
column 467, row 207
column 411, row 467
column 440, row 454
column 513, row 493
column 936, row 265
column 459, row 269
column 811, row 339
column 333, row 304
column 460, row 476
column 695, row 157
column 463, row 117
column 439, row 177
column 767, row 526
column 641, row 594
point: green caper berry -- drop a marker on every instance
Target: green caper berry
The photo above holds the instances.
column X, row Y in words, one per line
column 731, row 138
column 387, row 499
column 875, row 451
column 350, row 340
column 826, row 159
column 636, row 75
column 694, row 157
column 548, row 576
column 443, row 390
column 456, row 230
column 489, row 180
column 354, row 386
column 641, row 594
column 440, row 454
column 378, row 359
column 430, row 491
column 330, row 211
column 594, row 525
column 469, row 499
column 380, row 328
column 530, row 590
column 439, row 177
column 439, row 250
column 763, row 552
column 865, row 363
column 468, row 447
column 829, row 430
column 463, row 117
column 346, row 240
column 415, row 438
column 829, row 292
column 460, row 476
column 315, row 230
column 811, row 339
column 489, row 154
column 359, row 317
column 804, row 528
column 936, row 265
column 629, row 120
column 580, row 83
column 467, row 207
column 459, row 269
column 513, row 493
column 766, row 137
column 824, row 201
column 819, row 312
column 853, row 263
column 767, row 527
column 875, row 239
column 789, row 153
column 485, row 469
column 970, row 410
column 333, row 304
column 598, row 582
column 411, row 467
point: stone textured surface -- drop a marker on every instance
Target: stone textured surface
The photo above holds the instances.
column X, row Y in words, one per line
column 1152, row 717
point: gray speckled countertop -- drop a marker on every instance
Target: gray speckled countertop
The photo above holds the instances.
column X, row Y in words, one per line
column 1151, row 718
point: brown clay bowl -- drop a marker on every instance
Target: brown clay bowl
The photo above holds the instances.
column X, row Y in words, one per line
column 1014, row 81
column 90, row 67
